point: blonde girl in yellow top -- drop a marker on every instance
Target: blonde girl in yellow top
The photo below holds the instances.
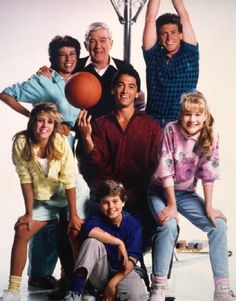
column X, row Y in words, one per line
column 46, row 167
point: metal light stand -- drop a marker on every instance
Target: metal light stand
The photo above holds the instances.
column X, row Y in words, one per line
column 127, row 20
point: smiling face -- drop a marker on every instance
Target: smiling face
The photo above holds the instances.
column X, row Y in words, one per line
column 125, row 91
column 111, row 206
column 99, row 45
column 43, row 127
column 67, row 60
column 170, row 38
column 192, row 121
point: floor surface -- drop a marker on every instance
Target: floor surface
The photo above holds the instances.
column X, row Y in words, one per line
column 191, row 278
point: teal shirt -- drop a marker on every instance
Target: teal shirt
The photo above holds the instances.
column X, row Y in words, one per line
column 39, row 88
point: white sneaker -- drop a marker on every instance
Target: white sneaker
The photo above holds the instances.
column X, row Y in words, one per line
column 88, row 297
column 223, row 293
column 158, row 291
column 9, row 296
column 72, row 296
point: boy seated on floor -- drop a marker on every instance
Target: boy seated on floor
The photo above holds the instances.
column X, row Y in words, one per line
column 110, row 251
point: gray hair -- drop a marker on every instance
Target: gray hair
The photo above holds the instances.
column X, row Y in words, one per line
column 97, row 26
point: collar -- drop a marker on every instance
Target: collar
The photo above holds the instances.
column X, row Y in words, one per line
column 56, row 76
column 162, row 48
column 103, row 70
column 108, row 221
column 189, row 137
column 136, row 112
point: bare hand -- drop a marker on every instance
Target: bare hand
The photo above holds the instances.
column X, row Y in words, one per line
column 128, row 266
column 64, row 129
column 167, row 213
column 75, row 223
column 45, row 71
column 84, row 124
column 212, row 214
column 24, row 220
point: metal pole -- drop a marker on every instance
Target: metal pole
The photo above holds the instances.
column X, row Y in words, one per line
column 127, row 21
column 127, row 29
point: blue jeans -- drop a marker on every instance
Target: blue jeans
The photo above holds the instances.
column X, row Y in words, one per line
column 192, row 207
column 52, row 241
column 43, row 252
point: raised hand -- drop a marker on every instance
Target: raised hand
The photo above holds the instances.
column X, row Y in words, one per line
column 84, row 124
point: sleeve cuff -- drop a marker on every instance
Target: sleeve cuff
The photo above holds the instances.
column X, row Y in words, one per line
column 207, row 182
column 168, row 181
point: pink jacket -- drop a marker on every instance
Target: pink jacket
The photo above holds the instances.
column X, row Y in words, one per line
column 181, row 163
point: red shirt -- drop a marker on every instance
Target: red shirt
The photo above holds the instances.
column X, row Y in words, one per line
column 128, row 156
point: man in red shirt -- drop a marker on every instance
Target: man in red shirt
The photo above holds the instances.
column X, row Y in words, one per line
column 122, row 145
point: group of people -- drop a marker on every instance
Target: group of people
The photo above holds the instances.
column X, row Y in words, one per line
column 136, row 169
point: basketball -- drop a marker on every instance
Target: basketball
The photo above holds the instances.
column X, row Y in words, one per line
column 83, row 90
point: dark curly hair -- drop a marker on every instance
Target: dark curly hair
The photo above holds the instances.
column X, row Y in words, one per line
column 129, row 71
column 58, row 42
column 168, row 18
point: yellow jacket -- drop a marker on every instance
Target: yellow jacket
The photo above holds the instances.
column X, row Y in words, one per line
column 60, row 173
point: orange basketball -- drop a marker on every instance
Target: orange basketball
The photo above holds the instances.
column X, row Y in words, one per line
column 83, row 90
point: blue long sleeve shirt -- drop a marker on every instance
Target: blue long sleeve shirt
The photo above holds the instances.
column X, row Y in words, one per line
column 39, row 88
column 129, row 231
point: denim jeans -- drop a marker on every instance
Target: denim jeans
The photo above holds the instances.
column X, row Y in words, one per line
column 192, row 207
column 43, row 252
column 52, row 240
